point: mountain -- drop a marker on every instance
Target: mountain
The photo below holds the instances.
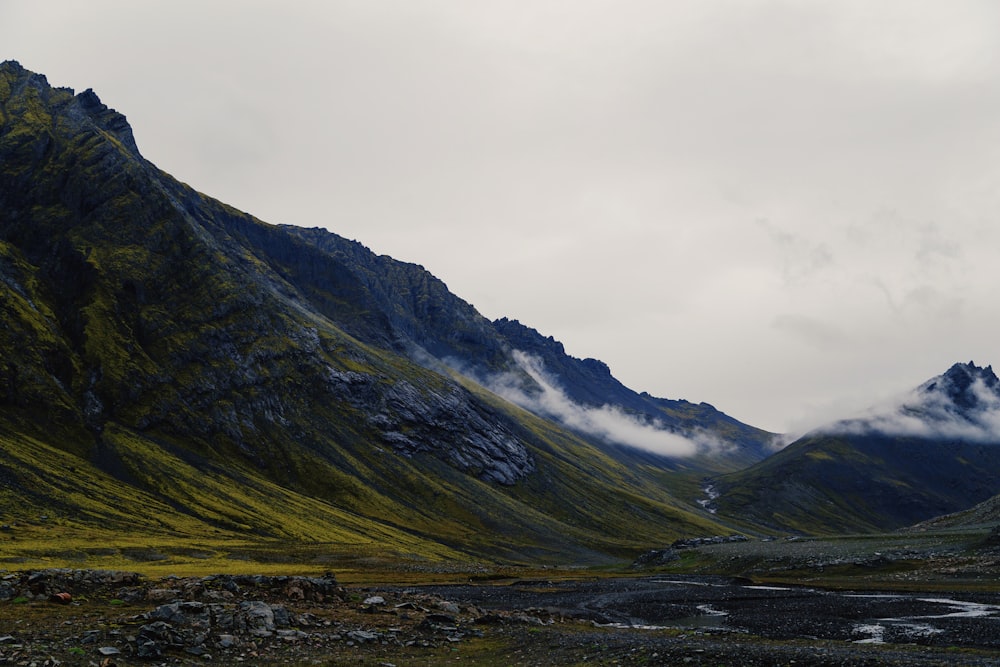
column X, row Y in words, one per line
column 417, row 316
column 173, row 366
column 724, row 443
column 936, row 451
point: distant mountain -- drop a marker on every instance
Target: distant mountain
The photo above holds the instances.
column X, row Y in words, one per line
column 934, row 452
column 192, row 369
column 963, row 403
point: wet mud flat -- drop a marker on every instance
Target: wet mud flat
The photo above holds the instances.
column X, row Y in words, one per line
column 726, row 605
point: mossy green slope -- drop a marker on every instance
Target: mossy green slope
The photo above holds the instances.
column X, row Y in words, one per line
column 831, row 484
column 167, row 374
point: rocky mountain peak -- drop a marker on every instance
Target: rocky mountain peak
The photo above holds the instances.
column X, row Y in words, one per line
column 29, row 96
column 967, row 386
column 108, row 119
column 963, row 403
column 12, row 69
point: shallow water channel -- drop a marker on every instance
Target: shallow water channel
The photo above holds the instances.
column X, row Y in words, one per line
column 730, row 605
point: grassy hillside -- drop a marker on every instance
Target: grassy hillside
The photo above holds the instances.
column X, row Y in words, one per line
column 160, row 503
column 835, row 484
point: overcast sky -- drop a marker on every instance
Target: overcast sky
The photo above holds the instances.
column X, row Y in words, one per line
column 786, row 209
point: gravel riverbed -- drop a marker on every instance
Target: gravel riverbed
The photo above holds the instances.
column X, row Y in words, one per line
column 112, row 619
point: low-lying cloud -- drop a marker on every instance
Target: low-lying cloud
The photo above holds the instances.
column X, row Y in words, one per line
column 608, row 422
column 929, row 412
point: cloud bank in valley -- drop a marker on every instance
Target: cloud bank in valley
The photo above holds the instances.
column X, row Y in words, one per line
column 608, row 422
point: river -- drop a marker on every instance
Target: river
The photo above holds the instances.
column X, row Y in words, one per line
column 720, row 604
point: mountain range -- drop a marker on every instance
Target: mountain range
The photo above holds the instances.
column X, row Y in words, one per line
column 175, row 367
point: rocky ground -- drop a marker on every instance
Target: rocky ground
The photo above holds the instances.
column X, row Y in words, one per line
column 109, row 618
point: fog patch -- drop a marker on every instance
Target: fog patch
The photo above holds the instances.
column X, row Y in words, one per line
column 931, row 412
column 544, row 397
column 781, row 440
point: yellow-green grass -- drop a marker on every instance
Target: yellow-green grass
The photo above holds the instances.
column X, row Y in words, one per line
column 155, row 556
column 63, row 512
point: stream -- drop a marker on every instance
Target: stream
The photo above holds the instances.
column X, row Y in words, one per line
column 721, row 604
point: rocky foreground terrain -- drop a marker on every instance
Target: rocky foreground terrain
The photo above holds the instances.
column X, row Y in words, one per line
column 110, row 618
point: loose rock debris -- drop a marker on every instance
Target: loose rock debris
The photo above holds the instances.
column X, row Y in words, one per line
column 117, row 619
column 228, row 618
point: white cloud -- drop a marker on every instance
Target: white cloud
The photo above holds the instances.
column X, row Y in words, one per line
column 546, row 398
column 929, row 412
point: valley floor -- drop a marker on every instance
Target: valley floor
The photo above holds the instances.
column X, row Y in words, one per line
column 921, row 598
column 122, row 619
